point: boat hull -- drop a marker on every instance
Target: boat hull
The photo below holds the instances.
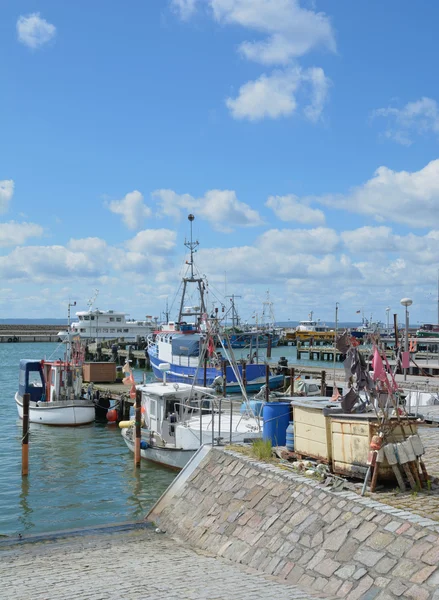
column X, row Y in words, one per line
column 172, row 458
column 274, row 383
column 63, row 413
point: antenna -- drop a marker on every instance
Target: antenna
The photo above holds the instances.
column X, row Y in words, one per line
column 192, row 246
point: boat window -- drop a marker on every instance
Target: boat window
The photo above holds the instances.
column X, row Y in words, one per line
column 105, row 330
column 313, row 387
column 83, row 330
column 98, row 329
column 111, row 318
column 87, row 318
column 92, row 318
column 126, row 330
column 119, row 330
column 119, row 319
column 112, row 330
column 153, row 408
column 35, row 379
column 80, row 318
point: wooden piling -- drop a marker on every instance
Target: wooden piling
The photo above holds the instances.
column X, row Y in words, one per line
column 224, row 378
column 138, row 433
column 244, row 374
column 292, row 377
column 25, row 437
column 269, row 346
column 267, row 382
column 323, row 384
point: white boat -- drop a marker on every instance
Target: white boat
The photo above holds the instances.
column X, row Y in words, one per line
column 55, row 393
column 108, row 324
column 178, row 418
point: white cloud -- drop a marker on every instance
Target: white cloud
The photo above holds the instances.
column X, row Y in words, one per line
column 185, row 8
column 293, row 31
column 399, row 196
column 275, row 95
column 291, row 208
column 305, row 241
column 16, row 234
column 421, row 116
column 132, row 208
column 6, row 193
column 153, row 241
column 33, row 31
column 221, row 208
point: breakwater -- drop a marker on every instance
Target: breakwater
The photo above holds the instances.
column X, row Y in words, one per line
column 30, row 333
column 288, row 525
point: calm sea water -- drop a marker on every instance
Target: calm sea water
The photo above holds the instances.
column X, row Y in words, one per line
column 79, row 476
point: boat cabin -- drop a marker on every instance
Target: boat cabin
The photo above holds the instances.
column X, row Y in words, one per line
column 31, row 380
column 166, row 405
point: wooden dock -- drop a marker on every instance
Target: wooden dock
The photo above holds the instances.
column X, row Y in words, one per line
column 16, row 333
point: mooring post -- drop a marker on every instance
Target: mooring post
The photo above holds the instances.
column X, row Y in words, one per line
column 224, row 378
column 25, row 437
column 292, row 377
column 323, row 384
column 267, row 382
column 138, row 416
column 269, row 346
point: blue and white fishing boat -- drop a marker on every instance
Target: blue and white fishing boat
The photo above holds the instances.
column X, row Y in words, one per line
column 188, row 345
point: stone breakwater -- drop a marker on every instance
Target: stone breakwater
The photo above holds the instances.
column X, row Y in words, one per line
column 289, row 526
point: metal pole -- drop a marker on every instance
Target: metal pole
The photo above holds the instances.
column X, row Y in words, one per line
column 138, row 433
column 244, row 374
column 224, row 378
column 201, row 422
column 213, row 422
column 269, row 346
column 25, row 437
column 205, row 371
column 335, row 337
column 406, row 341
column 219, row 419
column 323, row 384
column 395, row 325
column 231, row 419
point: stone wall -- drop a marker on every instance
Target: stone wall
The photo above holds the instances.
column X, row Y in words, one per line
column 290, row 526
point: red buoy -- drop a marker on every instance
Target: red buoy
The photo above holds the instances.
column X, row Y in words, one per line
column 112, row 415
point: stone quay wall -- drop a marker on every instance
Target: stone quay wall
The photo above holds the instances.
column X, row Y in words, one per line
column 290, row 526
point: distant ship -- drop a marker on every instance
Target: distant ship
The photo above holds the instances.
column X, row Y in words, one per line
column 98, row 324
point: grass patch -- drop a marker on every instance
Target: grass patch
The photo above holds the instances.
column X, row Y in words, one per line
column 262, row 449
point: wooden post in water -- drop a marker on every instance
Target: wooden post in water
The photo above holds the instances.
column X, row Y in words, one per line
column 267, row 382
column 25, row 437
column 292, row 377
column 323, row 384
column 224, row 378
column 138, row 416
column 269, row 346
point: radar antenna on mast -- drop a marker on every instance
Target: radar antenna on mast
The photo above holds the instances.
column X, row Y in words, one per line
column 192, row 246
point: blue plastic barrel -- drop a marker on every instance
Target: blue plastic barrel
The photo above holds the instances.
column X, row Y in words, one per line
column 275, row 417
column 255, row 406
column 290, row 437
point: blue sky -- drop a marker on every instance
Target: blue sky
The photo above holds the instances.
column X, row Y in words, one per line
column 303, row 135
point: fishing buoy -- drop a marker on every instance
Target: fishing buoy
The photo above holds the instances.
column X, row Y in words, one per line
column 125, row 424
column 112, row 415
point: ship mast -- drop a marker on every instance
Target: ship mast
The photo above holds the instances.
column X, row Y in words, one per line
column 196, row 311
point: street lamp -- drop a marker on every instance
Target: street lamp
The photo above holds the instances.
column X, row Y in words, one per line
column 406, row 302
column 387, row 315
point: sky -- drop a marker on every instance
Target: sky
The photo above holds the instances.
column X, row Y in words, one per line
column 302, row 134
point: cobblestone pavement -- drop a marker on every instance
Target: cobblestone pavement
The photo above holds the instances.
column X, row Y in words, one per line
column 424, row 502
column 135, row 565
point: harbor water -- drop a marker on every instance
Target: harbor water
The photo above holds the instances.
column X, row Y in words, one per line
column 78, row 476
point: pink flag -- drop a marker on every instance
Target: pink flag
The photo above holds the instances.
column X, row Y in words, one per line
column 378, row 367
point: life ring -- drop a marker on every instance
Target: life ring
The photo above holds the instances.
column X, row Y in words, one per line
column 15, row 339
column 9, row 340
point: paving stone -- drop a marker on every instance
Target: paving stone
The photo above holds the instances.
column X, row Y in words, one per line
column 346, row 571
column 399, row 547
column 364, row 531
column 398, row 587
column 417, row 593
column 327, row 567
column 368, row 557
column 385, row 565
column 359, row 573
column 382, row 582
column 336, row 539
column 364, row 585
column 423, row 574
column 344, row 590
column 431, row 557
column 379, row 540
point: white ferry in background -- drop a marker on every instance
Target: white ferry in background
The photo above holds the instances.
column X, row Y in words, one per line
column 109, row 324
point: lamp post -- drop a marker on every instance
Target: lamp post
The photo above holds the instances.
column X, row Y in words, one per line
column 406, row 302
column 387, row 315
column 335, row 341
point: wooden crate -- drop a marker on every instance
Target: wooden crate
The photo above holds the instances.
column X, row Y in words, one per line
column 312, row 429
column 99, row 372
column 351, row 436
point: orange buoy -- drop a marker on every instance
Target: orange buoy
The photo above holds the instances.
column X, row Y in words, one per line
column 112, row 415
